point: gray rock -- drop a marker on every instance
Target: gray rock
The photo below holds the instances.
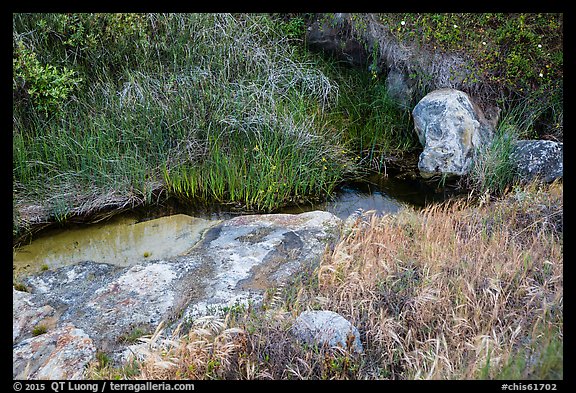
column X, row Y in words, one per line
column 538, row 158
column 235, row 261
column 252, row 253
column 141, row 297
column 327, row 328
column 26, row 315
column 109, row 302
column 451, row 128
column 61, row 353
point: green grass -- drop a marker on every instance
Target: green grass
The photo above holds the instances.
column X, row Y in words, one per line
column 209, row 108
column 542, row 360
column 181, row 107
column 373, row 127
column 112, row 111
column 492, row 170
column 133, row 336
column 259, row 173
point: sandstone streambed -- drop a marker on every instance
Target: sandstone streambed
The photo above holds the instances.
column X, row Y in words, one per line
column 92, row 285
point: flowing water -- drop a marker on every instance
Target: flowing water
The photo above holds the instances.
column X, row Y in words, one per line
column 162, row 233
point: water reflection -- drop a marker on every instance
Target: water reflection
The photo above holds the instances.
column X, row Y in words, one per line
column 384, row 195
column 121, row 241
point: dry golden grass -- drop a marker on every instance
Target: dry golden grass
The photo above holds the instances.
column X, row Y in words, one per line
column 442, row 293
column 457, row 291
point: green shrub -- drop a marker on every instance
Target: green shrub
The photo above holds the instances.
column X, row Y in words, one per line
column 47, row 86
column 292, row 26
column 511, row 49
column 86, row 41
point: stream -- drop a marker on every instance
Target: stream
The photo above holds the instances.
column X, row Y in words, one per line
column 161, row 233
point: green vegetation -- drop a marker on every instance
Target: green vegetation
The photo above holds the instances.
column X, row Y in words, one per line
column 112, row 111
column 46, row 86
column 101, row 368
column 492, row 171
column 133, row 336
column 511, row 61
column 216, row 108
column 20, row 286
column 39, row 329
column 373, row 128
column 518, row 57
column 456, row 291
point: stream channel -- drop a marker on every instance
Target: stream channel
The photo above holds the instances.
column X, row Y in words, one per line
column 161, row 233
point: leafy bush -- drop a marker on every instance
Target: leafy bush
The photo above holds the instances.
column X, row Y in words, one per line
column 292, row 26
column 46, row 86
column 86, row 41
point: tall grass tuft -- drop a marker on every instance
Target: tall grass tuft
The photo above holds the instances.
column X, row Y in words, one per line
column 493, row 172
column 374, row 129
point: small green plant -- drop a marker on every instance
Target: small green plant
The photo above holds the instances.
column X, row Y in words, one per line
column 44, row 267
column 341, row 366
column 293, row 27
column 47, row 86
column 212, row 367
column 39, row 329
column 20, row 287
column 133, row 336
column 102, row 368
column 147, row 254
column 103, row 359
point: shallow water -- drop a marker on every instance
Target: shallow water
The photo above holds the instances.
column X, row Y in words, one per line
column 384, row 195
column 121, row 241
column 170, row 231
